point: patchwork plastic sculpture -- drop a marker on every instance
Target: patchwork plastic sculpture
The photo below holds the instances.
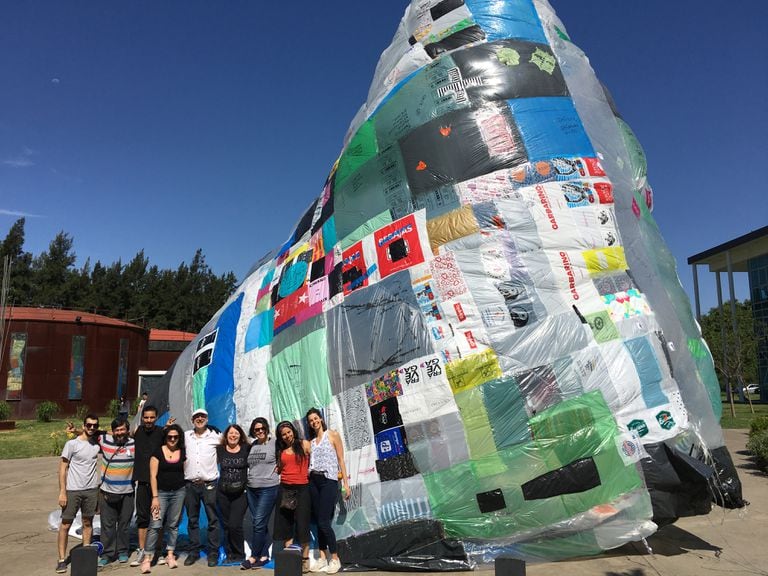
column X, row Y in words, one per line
column 480, row 302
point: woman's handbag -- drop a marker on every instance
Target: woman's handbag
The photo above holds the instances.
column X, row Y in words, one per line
column 289, row 499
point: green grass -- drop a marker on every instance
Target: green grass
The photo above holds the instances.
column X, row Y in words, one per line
column 32, row 438
column 743, row 413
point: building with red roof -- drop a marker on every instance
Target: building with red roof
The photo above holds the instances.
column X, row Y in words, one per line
column 77, row 358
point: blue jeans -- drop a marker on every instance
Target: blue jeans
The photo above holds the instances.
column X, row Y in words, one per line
column 261, row 502
column 205, row 493
column 171, row 506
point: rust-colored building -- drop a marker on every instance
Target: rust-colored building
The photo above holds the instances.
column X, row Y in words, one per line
column 77, row 358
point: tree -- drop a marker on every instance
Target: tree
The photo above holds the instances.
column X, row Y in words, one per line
column 52, row 270
column 181, row 299
column 744, row 365
column 20, row 288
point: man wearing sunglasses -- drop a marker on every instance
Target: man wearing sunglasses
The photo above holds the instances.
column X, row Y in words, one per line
column 148, row 438
column 201, row 473
column 78, row 485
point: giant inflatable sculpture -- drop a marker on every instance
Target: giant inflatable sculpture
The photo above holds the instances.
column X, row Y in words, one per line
column 480, row 302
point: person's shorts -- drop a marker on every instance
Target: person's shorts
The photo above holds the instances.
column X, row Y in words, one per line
column 84, row 500
column 143, row 504
column 293, row 523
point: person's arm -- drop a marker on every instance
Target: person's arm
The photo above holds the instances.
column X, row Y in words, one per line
column 154, row 464
column 70, row 430
column 63, row 469
column 307, row 447
column 336, row 441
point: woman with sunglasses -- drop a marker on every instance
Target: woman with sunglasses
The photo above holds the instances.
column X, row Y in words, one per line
column 166, row 480
column 262, row 491
column 326, row 468
column 232, row 455
column 294, row 509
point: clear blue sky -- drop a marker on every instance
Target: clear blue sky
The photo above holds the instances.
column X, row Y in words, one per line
column 168, row 126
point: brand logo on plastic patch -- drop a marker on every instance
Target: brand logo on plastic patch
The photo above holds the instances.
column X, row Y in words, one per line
column 665, row 420
column 629, row 448
column 638, row 426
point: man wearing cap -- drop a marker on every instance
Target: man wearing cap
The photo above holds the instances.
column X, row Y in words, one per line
column 201, row 473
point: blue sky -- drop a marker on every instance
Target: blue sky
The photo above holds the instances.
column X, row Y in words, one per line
column 168, row 126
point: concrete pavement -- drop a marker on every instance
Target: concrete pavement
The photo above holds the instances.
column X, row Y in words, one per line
column 727, row 542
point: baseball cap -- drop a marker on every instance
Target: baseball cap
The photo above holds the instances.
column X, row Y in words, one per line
column 202, row 411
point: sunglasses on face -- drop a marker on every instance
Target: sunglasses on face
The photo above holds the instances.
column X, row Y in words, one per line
column 257, row 430
column 174, row 437
column 91, row 425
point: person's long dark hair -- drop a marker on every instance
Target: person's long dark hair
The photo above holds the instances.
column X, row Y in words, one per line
column 312, row 432
column 180, row 432
column 298, row 447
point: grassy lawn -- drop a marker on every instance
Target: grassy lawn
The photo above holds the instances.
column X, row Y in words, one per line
column 743, row 413
column 32, row 438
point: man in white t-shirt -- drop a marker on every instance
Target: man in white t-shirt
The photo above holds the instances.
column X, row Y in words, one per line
column 78, row 485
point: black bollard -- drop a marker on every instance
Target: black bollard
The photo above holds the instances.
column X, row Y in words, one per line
column 509, row 567
column 288, row 562
column 84, row 561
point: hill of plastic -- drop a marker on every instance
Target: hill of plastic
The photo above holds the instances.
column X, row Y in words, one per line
column 481, row 304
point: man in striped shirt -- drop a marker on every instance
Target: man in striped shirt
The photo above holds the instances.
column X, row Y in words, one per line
column 116, row 494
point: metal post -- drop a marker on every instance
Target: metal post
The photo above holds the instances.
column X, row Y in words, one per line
column 696, row 292
column 735, row 328
column 725, row 371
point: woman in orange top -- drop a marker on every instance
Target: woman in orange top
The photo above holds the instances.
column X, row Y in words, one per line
column 293, row 502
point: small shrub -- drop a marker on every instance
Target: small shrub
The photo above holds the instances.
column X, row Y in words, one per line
column 113, row 408
column 758, row 425
column 46, row 411
column 57, row 442
column 135, row 405
column 5, row 410
column 758, row 445
column 81, row 413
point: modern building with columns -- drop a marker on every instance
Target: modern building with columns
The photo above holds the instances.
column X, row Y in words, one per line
column 747, row 253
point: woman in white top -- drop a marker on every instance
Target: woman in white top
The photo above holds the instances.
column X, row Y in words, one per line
column 326, row 468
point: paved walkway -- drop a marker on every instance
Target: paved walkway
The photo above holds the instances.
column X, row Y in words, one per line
column 728, row 543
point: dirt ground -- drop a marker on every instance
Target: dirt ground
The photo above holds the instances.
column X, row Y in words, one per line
column 729, row 542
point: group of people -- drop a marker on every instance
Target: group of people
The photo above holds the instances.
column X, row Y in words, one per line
column 159, row 472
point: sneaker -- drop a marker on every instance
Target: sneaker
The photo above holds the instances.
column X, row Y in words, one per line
column 212, row 561
column 139, row 557
column 191, row 559
column 122, row 558
column 160, row 559
column 61, row 566
column 102, row 562
column 317, row 565
column 333, row 567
